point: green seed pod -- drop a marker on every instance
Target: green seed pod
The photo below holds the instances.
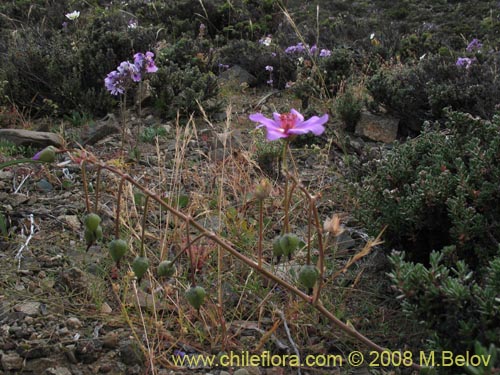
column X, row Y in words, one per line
column 308, row 275
column 140, row 266
column 277, row 250
column 89, row 236
column 166, row 269
column 289, row 243
column 196, row 296
column 92, row 221
column 117, row 249
column 98, row 233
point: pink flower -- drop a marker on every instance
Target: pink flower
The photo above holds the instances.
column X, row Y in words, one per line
column 287, row 124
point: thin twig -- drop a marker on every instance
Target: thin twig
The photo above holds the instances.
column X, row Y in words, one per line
column 19, row 254
column 289, row 335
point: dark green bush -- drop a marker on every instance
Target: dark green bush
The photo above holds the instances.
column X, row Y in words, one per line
column 65, row 68
column 419, row 92
column 438, row 190
column 348, row 106
column 179, row 87
column 459, row 305
column 439, row 196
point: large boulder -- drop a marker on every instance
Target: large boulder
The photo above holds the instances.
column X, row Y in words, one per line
column 37, row 140
column 379, row 128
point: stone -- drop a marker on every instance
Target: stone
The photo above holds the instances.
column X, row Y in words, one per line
column 99, row 132
column 28, row 308
column 380, row 128
column 57, row 371
column 345, row 241
column 71, row 221
column 37, row 140
column 110, row 340
column 12, row 361
column 237, row 76
column 130, row 353
column 73, row 322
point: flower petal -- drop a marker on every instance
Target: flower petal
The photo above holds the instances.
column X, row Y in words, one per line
column 314, row 125
column 298, row 114
column 261, row 119
column 273, row 134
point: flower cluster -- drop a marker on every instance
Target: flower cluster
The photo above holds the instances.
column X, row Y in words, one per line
column 464, row 62
column 296, row 49
column 474, row 45
column 118, row 80
column 300, row 48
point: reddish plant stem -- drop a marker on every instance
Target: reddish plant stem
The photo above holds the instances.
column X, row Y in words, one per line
column 118, row 201
column 318, row 305
column 144, row 217
column 261, row 228
column 85, row 185
column 97, row 187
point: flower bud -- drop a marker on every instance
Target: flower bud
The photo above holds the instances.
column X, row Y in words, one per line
column 263, row 189
column 48, row 154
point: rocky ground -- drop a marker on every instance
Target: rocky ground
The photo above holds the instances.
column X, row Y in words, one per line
column 59, row 313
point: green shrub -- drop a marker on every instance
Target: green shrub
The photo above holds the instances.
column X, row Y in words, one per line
column 419, row 92
column 180, row 89
column 459, row 305
column 64, row 68
column 438, row 190
column 348, row 106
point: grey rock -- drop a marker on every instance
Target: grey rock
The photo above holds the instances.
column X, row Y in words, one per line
column 57, row 371
column 38, row 140
column 130, row 353
column 380, row 128
column 44, row 186
column 236, row 75
column 88, row 351
column 28, row 308
column 12, row 361
column 345, row 241
column 73, row 322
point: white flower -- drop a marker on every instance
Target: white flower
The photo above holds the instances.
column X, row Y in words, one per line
column 372, row 35
column 266, row 41
column 73, row 15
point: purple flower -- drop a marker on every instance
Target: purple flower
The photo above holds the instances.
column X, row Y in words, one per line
column 223, row 66
column 288, row 124
column 464, row 62
column 145, row 61
column 269, row 68
column 313, row 49
column 270, row 82
column 474, row 45
column 325, row 53
column 298, row 48
column 115, row 83
column 118, row 80
column 179, row 353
